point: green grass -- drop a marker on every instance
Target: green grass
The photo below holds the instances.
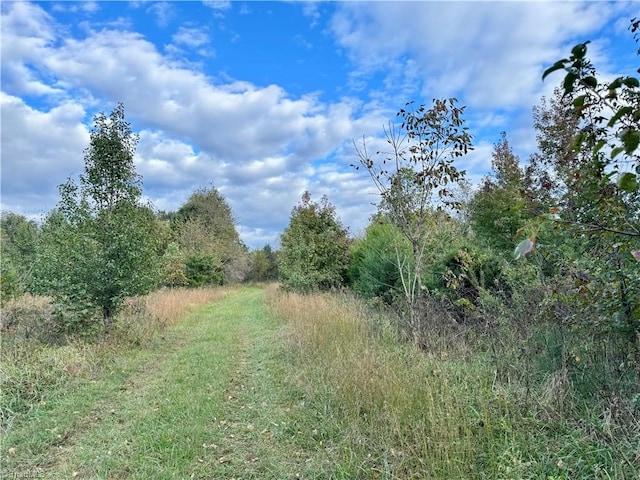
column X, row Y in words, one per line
column 212, row 401
column 264, row 385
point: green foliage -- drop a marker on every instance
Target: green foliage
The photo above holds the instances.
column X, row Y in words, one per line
column 173, row 267
column 100, row 244
column 604, row 214
column 373, row 267
column 264, row 265
column 18, row 241
column 204, row 225
column 415, row 178
column 9, row 284
column 499, row 209
column 203, row 269
column 313, row 248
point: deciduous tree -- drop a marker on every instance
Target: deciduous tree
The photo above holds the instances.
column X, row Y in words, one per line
column 604, row 217
column 100, row 244
column 313, row 248
column 499, row 208
column 205, row 230
column 416, row 177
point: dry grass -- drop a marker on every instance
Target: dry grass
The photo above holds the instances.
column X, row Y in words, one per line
column 171, row 305
column 400, row 410
column 25, row 316
column 391, row 410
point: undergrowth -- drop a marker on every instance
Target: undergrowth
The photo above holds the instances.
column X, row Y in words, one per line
column 470, row 405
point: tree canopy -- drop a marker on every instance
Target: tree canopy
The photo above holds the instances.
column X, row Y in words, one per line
column 100, row 244
column 313, row 248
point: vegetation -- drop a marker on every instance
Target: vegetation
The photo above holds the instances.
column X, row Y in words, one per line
column 607, row 212
column 313, row 248
column 51, row 395
column 205, row 233
column 263, row 265
column 495, row 337
column 418, row 172
column 18, row 237
column 99, row 245
column 502, row 206
column 468, row 406
column 308, row 386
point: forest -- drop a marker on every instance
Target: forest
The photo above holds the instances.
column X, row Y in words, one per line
column 536, row 270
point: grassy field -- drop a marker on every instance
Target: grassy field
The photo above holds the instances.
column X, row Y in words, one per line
column 208, row 401
column 250, row 383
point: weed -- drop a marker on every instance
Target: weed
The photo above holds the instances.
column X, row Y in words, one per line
column 465, row 403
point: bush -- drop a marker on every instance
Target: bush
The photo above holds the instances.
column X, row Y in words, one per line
column 9, row 283
column 373, row 270
column 203, row 269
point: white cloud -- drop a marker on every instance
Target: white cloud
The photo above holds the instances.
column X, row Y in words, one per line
column 259, row 145
column 491, row 52
column 163, row 12
column 191, row 37
column 218, row 4
column 40, row 150
column 255, row 144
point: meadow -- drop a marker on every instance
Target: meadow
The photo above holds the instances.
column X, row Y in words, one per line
column 253, row 382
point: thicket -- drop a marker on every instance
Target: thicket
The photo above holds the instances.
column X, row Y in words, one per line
column 102, row 245
column 541, row 264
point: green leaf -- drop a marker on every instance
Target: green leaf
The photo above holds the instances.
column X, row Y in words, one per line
column 579, row 139
column 617, row 83
column 627, row 182
column 569, row 80
column 599, row 146
column 616, row 151
column 619, row 114
column 559, row 65
column 630, row 140
column 590, row 81
column 579, row 101
column 631, row 82
column 580, row 50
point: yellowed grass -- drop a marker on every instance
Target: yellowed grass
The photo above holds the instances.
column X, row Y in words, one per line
column 26, row 309
column 171, row 305
column 392, row 398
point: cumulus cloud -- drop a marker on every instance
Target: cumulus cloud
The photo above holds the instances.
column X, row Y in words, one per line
column 491, row 53
column 261, row 146
column 40, row 150
column 253, row 143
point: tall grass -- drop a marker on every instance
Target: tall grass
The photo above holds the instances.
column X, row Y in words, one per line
column 402, row 412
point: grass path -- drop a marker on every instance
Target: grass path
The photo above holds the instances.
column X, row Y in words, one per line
column 212, row 403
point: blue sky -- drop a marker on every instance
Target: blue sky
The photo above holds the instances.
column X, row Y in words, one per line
column 264, row 99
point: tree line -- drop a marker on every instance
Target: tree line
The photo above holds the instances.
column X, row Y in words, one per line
column 553, row 240
column 102, row 243
column 556, row 236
